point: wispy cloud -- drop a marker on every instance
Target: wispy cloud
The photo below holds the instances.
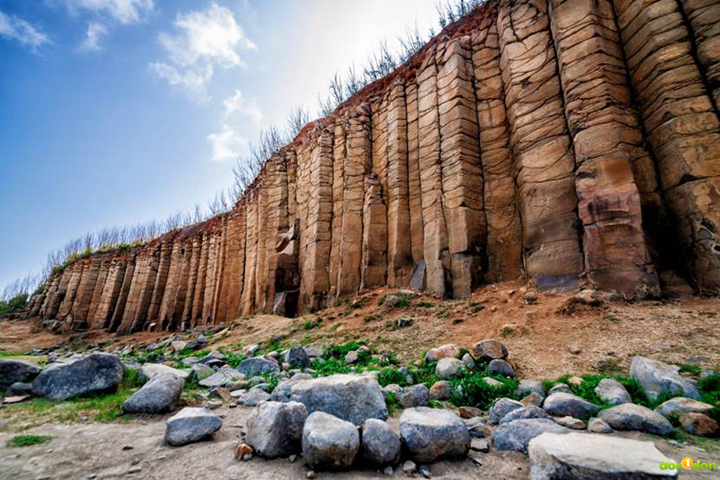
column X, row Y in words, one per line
column 237, row 104
column 227, row 145
column 15, row 28
column 95, row 33
column 204, row 40
column 124, row 11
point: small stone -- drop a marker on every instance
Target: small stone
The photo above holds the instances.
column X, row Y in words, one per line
column 487, row 350
column 246, row 457
column 190, row 425
column 135, row 470
column 559, row 388
column 570, row 422
column 480, row 445
column 388, row 471
column 595, row 425
column 440, row 390
column 409, row 468
column 221, row 394
column 127, row 447
column 699, row 424
column 469, row 362
column 243, row 449
column 566, row 404
column 448, row 368
column 680, row 405
column 404, row 322
column 424, row 471
column 629, row 416
column 501, row 367
column 525, row 413
column 531, row 298
column 292, row 458
column 135, row 461
column 446, row 351
column 492, row 382
column 588, row 297
column 575, row 350
column 415, row 396
column 575, row 381
column 501, row 407
column 469, row 412
column 310, row 474
column 612, row 392
column 527, row 387
column 533, row 399
column 380, row 445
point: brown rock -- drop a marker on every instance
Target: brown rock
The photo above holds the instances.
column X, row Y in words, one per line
column 699, row 424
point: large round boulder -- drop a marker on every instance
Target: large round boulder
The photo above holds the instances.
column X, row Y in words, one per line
column 161, row 394
column 12, row 371
column 516, row 436
column 629, row 416
column 436, row 354
column 252, row 367
column 275, row 429
column 657, row 378
column 329, row 443
column 191, row 425
column 430, row 434
column 380, row 445
column 569, row 405
column 488, row 350
column 98, row 372
column 612, row 392
column 449, row 367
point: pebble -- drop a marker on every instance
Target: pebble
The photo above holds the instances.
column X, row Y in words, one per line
column 135, row 461
column 310, row 474
column 480, row 445
column 424, row 471
column 292, row 458
column 389, row 471
column 135, row 470
column 92, row 476
column 409, row 468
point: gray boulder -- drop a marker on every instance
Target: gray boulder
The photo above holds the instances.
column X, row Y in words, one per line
column 656, row 378
column 222, row 378
column 284, row 388
column 297, row 357
column 329, row 443
column 19, row 389
column 612, row 392
column 524, row 413
column 430, row 434
column 253, row 397
column 201, row 371
column 595, row 425
column 275, row 429
column 98, row 372
column 379, row 444
column 680, row 405
column 578, row 455
column 160, row 395
column 191, row 425
column 12, row 371
column 149, row 370
column 257, row 366
column 353, row 398
column 314, row 353
column 449, row 367
column 629, row 416
column 415, row 396
column 516, row 436
column 501, row 407
column 527, row 387
column 567, row 404
column 501, row 367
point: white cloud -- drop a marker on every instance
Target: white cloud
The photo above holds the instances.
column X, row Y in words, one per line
column 227, row 145
column 204, row 40
column 236, row 104
column 95, row 33
column 124, row 11
column 16, row 28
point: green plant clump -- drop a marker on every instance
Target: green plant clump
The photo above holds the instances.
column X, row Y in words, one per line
column 28, row 440
column 471, row 389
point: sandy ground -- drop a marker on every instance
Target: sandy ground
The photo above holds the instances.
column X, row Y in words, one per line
column 80, row 450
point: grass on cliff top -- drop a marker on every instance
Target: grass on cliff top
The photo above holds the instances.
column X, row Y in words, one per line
column 101, row 408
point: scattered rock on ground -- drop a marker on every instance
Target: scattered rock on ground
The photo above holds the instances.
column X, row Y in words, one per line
column 353, row 398
column 516, row 435
column 481, row 445
column 201, row 371
column 379, row 444
column 329, row 442
column 680, row 405
column 525, row 413
column 629, row 416
column 570, row 422
column 501, row 367
column 469, row 361
column 257, row 366
column 595, row 425
column 612, row 392
column 487, row 350
column 440, row 390
column 577, row 455
column 656, row 378
column 159, row 395
column 501, row 407
column 191, row 425
column 222, row 378
column 415, row 396
column 567, row 404
column 449, row 367
column 559, row 388
column 446, row 351
column 297, row 357
column 526, row 387
column 253, row 397
column 97, row 372
column 274, row 429
column 469, row 412
column 699, row 424
column 533, row 399
column 12, row 371
column 430, row 434
column 149, row 370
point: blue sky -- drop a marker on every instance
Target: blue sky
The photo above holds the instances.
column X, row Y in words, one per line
column 114, row 112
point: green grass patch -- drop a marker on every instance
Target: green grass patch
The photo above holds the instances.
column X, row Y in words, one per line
column 475, row 307
column 586, row 389
column 471, row 389
column 691, row 369
column 28, row 440
column 425, row 304
column 390, row 375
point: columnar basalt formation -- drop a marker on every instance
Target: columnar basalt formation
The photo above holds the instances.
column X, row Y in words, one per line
column 572, row 141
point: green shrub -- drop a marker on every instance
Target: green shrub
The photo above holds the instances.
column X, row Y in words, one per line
column 28, row 440
column 389, row 375
column 309, row 324
column 691, row 369
column 425, row 304
column 471, row 389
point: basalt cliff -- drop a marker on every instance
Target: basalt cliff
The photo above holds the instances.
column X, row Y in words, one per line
column 571, row 141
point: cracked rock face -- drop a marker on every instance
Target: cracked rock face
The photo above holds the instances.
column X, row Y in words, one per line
column 555, row 139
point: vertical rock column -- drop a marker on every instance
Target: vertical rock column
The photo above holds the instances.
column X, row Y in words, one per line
column 315, row 263
column 167, row 305
column 606, row 142
column 119, row 309
column 435, row 241
column 110, row 294
column 81, row 306
column 357, row 165
column 210, row 278
column 161, row 279
column 194, row 260
column 375, row 235
column 247, row 305
column 277, row 223
column 540, row 145
column 704, row 19
column 198, row 298
column 682, row 125
column 97, row 291
column 339, row 159
column 504, row 236
column 399, row 255
column 415, row 195
column 462, row 181
column 65, row 311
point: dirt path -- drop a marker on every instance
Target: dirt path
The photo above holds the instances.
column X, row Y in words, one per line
column 81, row 450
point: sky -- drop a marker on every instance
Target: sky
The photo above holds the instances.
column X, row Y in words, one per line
column 115, row 112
